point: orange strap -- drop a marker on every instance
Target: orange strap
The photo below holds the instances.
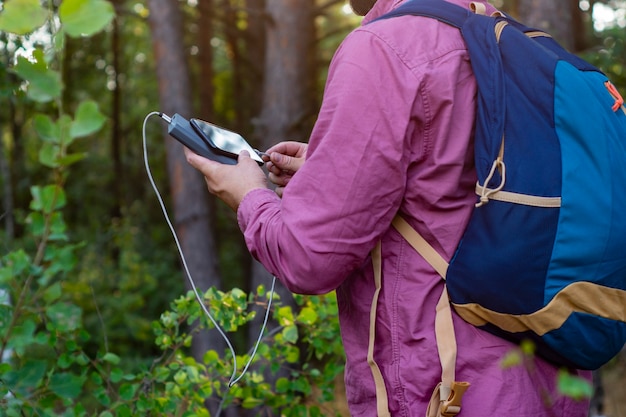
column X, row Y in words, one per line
column 619, row 101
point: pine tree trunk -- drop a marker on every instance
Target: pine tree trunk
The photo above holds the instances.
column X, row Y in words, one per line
column 552, row 17
column 189, row 195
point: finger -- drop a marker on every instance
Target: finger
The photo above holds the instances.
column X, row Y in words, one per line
column 280, row 180
column 287, row 148
column 285, row 162
column 279, row 191
column 277, row 171
column 202, row 164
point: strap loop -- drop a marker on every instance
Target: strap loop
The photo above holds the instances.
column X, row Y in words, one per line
column 487, row 192
column 478, row 8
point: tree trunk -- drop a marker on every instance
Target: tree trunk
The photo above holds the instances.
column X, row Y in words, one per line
column 290, row 35
column 188, row 190
column 255, row 64
column 116, row 121
column 552, row 17
column 6, row 214
column 288, row 71
column 205, row 59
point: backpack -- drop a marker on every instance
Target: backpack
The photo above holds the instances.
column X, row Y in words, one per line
column 543, row 256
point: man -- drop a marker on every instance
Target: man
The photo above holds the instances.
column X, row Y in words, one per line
column 394, row 135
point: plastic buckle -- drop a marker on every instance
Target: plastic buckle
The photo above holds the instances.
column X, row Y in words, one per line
column 452, row 406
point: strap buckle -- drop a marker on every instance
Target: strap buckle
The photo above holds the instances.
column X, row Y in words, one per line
column 446, row 400
column 451, row 406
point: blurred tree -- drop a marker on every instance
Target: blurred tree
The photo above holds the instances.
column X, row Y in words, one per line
column 562, row 19
column 191, row 211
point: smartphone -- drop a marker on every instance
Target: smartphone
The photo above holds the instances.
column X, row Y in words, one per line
column 210, row 141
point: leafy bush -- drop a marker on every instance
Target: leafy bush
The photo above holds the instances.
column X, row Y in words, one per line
column 54, row 361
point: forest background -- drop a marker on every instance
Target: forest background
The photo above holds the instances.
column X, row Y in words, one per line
column 96, row 316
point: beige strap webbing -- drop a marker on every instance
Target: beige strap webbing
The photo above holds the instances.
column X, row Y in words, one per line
column 382, row 406
column 446, row 399
column 421, row 246
column 517, row 198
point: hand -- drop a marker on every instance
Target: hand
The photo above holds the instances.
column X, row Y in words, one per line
column 285, row 159
column 230, row 183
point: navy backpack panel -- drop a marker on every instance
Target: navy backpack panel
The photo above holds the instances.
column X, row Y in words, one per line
column 544, row 254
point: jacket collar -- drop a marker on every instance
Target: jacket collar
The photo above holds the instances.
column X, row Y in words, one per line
column 384, row 6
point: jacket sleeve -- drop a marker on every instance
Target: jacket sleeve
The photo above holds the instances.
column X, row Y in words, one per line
column 345, row 195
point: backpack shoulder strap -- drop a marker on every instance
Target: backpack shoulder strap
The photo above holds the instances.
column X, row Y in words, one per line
column 422, row 247
column 447, row 396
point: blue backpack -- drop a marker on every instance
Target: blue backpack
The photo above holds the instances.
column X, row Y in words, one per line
column 544, row 254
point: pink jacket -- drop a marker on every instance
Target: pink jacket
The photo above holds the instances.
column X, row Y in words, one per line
column 393, row 135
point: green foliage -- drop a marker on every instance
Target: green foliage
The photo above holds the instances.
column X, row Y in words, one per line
column 85, row 17
column 567, row 384
column 44, row 83
column 22, row 16
column 610, row 57
column 280, row 351
column 60, row 300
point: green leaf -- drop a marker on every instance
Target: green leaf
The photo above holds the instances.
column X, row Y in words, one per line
column 52, row 293
column 66, row 385
column 116, row 375
column 292, row 355
column 64, row 361
column 127, row 391
column 528, row 348
column 315, row 411
column 46, row 128
column 284, row 315
column 71, row 159
column 48, row 154
column 22, row 16
column 282, row 385
column 307, row 316
column 85, row 17
column 64, row 316
column 123, row 411
column 180, row 377
column 27, row 377
column 43, row 84
column 574, row 386
column 302, row 384
column 36, row 224
column 251, row 402
column 57, row 227
column 88, row 120
column 13, row 265
column 290, row 334
column 6, row 313
column 23, row 335
column 211, row 357
column 81, row 359
column 511, row 359
column 62, row 259
column 47, row 199
column 111, row 358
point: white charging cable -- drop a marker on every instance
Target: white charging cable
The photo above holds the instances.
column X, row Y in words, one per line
column 233, row 379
